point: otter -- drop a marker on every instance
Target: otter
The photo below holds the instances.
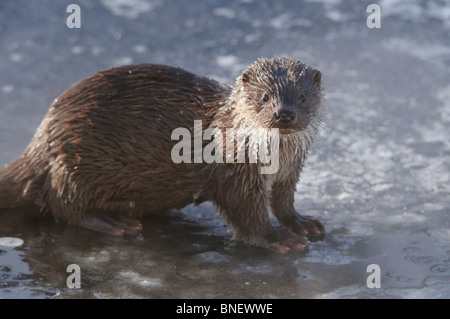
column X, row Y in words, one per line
column 102, row 155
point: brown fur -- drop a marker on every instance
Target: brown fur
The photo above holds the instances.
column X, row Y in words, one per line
column 105, row 146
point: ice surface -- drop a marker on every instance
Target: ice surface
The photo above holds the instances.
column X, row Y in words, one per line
column 10, row 242
column 378, row 176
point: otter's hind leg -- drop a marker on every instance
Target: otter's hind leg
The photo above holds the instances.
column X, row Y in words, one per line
column 80, row 209
column 116, row 225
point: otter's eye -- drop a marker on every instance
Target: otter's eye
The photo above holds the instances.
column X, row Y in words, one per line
column 265, row 98
column 302, row 97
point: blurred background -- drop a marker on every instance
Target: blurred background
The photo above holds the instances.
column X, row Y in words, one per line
column 377, row 177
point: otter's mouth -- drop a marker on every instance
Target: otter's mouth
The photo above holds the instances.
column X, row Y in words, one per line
column 287, row 128
column 289, row 124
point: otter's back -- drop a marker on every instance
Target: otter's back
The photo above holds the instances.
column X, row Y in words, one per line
column 114, row 128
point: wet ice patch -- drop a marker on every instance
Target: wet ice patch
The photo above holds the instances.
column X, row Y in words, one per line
column 370, row 164
column 205, row 212
column 361, row 109
column 224, row 12
column 212, row 257
column 329, row 256
column 103, row 256
column 264, row 267
column 414, row 293
column 130, row 9
column 443, row 95
column 140, row 280
column 341, row 292
column 227, row 61
column 403, row 218
column 17, row 57
column 417, row 10
column 343, row 195
column 287, row 20
column 336, row 16
column 439, row 282
column 410, row 10
column 139, row 48
column 77, row 49
column 431, row 52
column 440, row 11
column 434, row 175
column 331, row 10
column 10, row 242
column 443, row 236
column 96, row 50
column 327, row 3
column 381, row 187
column 122, row 61
column 7, row 89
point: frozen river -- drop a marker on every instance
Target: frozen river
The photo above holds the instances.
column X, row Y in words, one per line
column 378, row 176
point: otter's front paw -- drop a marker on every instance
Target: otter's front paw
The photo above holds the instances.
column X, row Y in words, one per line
column 303, row 225
column 288, row 241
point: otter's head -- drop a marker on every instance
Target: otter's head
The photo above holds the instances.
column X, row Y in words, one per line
column 280, row 93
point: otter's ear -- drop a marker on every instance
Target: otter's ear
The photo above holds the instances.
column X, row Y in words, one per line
column 245, row 77
column 317, row 78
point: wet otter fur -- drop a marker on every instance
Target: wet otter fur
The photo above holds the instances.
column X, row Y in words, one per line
column 102, row 154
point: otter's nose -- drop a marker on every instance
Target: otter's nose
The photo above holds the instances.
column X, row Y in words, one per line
column 284, row 116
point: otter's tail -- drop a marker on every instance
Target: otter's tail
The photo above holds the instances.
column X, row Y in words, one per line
column 17, row 185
